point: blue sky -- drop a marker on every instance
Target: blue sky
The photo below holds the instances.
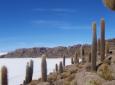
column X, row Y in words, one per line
column 37, row 23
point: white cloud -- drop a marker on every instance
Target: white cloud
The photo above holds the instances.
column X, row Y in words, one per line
column 55, row 10
column 59, row 25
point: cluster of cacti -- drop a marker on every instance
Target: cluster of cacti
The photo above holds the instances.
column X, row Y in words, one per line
column 76, row 59
column 109, row 4
column 60, row 67
column 94, row 48
column 29, row 73
column 44, row 68
column 4, row 76
column 102, row 41
column 82, row 54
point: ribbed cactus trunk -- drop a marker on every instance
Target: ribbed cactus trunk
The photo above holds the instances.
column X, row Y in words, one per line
column 60, row 67
column 4, row 76
column 63, row 60
column 72, row 60
column 76, row 60
column 102, row 50
column 82, row 54
column 94, row 48
column 44, row 68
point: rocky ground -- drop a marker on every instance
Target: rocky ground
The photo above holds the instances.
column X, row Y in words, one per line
column 81, row 74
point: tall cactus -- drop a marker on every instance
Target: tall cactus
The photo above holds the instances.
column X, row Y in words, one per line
column 31, row 69
column 94, row 48
column 56, row 68
column 60, row 68
column 76, row 60
column 64, row 60
column 44, row 68
column 82, row 53
column 27, row 78
column 102, row 50
column 4, row 76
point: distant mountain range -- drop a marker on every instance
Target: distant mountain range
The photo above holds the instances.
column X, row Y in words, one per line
column 55, row 52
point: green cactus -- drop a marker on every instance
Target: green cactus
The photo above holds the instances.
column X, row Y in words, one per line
column 56, row 68
column 63, row 60
column 72, row 60
column 102, row 47
column 76, row 60
column 60, row 68
column 44, row 68
column 94, row 48
column 109, row 4
column 4, row 76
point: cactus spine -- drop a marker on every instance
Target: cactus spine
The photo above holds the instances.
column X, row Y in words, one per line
column 60, row 68
column 44, row 68
column 102, row 49
column 4, row 76
column 94, row 48
column 63, row 60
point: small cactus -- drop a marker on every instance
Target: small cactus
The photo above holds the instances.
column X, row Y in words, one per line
column 56, row 68
column 94, row 48
column 76, row 60
column 44, row 68
column 109, row 4
column 102, row 50
column 72, row 60
column 60, row 68
column 63, row 60
column 4, row 76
